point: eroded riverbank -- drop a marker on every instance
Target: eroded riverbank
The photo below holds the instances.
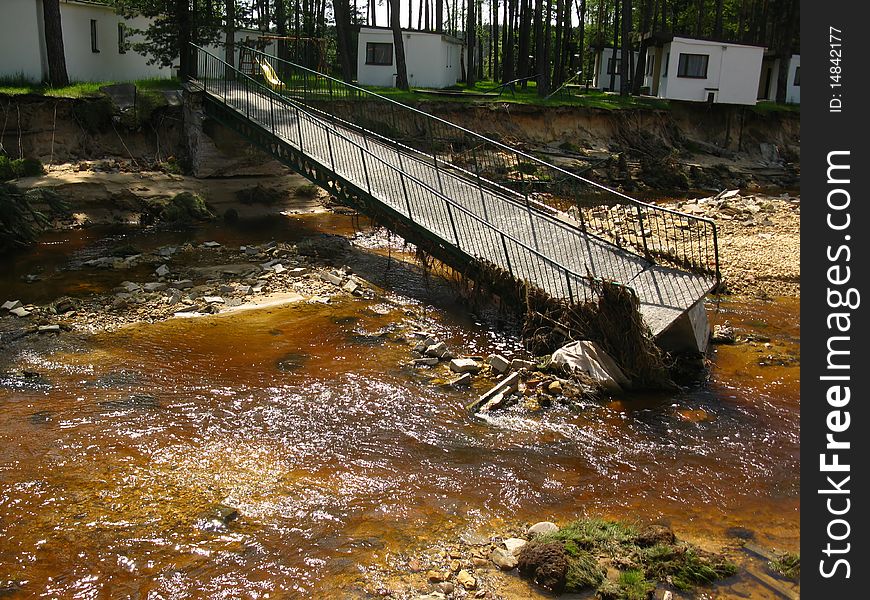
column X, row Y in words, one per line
column 344, row 463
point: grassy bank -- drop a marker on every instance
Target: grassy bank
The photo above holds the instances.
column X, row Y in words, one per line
column 19, row 86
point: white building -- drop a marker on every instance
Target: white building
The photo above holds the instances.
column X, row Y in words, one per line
column 94, row 40
column 704, row 71
column 432, row 58
column 605, row 64
column 769, row 81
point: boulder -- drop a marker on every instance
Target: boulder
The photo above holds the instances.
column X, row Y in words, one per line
column 514, row 545
column 498, row 363
column 541, row 528
column 503, row 559
column 464, row 365
column 587, row 358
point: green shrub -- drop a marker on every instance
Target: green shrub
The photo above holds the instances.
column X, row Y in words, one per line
column 186, row 207
column 20, row 167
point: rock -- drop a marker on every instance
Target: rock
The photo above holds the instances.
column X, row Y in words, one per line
column 498, row 363
column 514, row 545
column 455, row 565
column 217, row 518
column 49, row 329
column 182, row 284
column 297, row 271
column 162, row 271
column 518, row 363
column 504, row 387
column 432, row 596
column 723, row 334
column 167, row 251
column 461, row 381
column 503, row 559
column 555, row 388
column 435, row 576
column 279, row 268
column 211, row 245
column 494, row 403
column 464, row 365
column 331, row 278
column 11, row 305
column 655, row 534
column 427, row 361
column 438, row 350
column 350, row 287
column 445, row 587
column 20, row 312
column 154, row 286
column 213, row 299
column 130, row 287
column 541, row 528
column 466, row 580
column 423, row 344
column 588, row 358
column 546, row 564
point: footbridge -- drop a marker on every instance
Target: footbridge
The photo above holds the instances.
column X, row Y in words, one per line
column 475, row 199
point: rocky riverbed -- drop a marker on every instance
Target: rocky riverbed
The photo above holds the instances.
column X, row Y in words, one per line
column 164, row 275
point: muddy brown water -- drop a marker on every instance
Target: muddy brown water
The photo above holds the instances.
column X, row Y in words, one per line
column 339, row 460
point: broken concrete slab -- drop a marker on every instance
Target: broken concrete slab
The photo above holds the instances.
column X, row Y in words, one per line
column 586, row 357
column 49, row 329
column 154, row 286
column 331, row 278
column 464, row 365
column 182, row 284
column 461, row 381
column 350, row 287
column 213, row 300
column 211, row 245
column 20, row 312
column 162, row 271
column 428, row 361
column 11, row 304
column 519, row 363
column 498, row 363
column 504, row 387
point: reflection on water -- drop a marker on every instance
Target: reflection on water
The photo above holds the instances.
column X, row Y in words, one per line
column 337, row 458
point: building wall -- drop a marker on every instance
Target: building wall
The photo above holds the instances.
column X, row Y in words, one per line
column 21, row 39
column 432, row 60
column 108, row 64
column 733, row 72
column 602, row 77
column 770, row 68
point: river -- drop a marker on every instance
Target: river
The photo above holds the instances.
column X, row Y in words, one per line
column 337, row 457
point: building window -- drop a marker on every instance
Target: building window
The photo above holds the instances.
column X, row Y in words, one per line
column 122, row 39
column 650, row 63
column 379, row 54
column 797, row 76
column 667, row 64
column 693, row 66
column 613, row 65
column 94, row 46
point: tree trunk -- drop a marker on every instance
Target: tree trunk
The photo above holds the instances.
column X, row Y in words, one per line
column 342, row 31
column 581, row 14
column 615, row 46
column 186, row 68
column 788, row 23
column 439, row 16
column 57, row 74
column 717, row 23
column 399, row 47
column 557, row 51
column 525, row 39
column 471, row 43
column 625, row 70
column 230, row 38
column 646, row 18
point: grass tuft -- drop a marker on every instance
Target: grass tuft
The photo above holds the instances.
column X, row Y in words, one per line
column 788, row 565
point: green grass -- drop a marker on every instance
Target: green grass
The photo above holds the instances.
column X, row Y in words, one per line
column 766, row 107
column 788, row 565
column 594, row 533
column 18, row 85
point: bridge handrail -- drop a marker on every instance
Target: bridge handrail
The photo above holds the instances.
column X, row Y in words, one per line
column 567, row 271
column 708, row 226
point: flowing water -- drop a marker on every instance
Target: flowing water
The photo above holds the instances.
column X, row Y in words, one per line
column 337, row 458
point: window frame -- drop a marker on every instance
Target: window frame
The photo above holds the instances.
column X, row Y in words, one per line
column 122, row 38
column 796, row 82
column 370, row 55
column 95, row 45
column 614, row 60
column 683, row 67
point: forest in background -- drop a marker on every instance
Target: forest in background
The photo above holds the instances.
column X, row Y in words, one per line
column 550, row 42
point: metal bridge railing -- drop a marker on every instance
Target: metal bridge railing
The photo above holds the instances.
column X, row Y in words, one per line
column 651, row 231
column 358, row 163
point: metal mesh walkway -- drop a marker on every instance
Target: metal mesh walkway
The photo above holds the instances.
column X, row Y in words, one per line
column 485, row 220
